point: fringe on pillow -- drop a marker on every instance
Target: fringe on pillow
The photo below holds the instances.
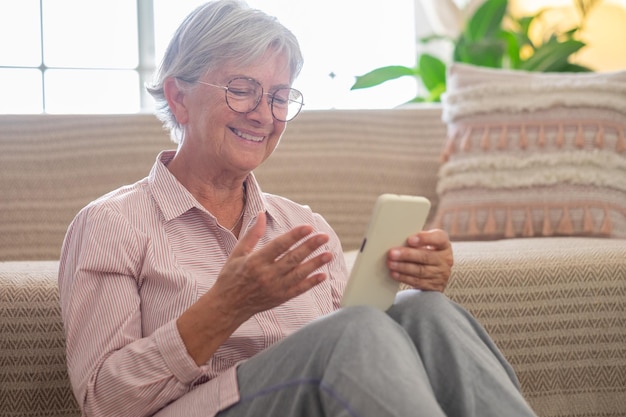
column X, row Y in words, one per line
column 462, row 138
column 490, row 228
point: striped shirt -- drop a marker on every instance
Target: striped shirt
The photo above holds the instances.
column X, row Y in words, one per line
column 133, row 261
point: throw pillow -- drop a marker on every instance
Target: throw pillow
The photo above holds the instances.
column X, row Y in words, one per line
column 533, row 154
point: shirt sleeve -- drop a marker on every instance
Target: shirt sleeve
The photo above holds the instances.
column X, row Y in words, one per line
column 114, row 370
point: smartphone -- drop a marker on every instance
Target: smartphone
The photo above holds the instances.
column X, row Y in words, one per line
column 393, row 220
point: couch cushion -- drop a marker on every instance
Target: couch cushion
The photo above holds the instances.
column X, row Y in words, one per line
column 556, row 308
column 53, row 165
column 533, row 154
column 33, row 373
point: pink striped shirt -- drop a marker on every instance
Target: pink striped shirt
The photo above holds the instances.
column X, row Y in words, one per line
column 133, row 261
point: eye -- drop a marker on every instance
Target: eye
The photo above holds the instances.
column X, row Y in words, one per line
column 241, row 92
column 243, row 88
column 281, row 97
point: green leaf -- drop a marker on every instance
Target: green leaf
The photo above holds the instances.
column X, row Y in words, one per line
column 435, row 93
column 524, row 24
column 486, row 21
column 521, row 32
column 552, row 56
column 435, row 37
column 432, row 71
column 513, row 44
column 485, row 52
column 575, row 68
column 570, row 33
column 380, row 75
column 416, row 99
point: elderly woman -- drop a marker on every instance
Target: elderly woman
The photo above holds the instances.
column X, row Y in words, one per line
column 193, row 293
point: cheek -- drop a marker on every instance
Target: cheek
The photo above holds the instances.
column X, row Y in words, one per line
column 210, row 119
column 276, row 137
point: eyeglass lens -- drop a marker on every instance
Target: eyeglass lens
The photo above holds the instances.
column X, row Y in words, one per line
column 244, row 94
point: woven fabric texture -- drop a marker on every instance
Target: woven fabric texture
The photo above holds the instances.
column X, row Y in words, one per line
column 33, row 373
column 54, row 165
column 556, row 308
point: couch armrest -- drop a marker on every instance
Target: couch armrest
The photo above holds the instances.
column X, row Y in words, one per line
column 556, row 308
column 33, row 372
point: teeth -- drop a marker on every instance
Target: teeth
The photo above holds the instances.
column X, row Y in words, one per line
column 248, row 137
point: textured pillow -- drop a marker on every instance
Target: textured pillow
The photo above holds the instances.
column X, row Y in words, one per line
column 533, row 154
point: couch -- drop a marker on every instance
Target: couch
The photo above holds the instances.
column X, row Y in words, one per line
column 556, row 306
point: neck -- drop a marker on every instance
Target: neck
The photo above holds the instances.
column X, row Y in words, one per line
column 236, row 225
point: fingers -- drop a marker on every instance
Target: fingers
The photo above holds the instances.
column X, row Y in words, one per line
column 295, row 269
column 435, row 239
column 279, row 247
column 280, row 270
column 301, row 278
column 251, row 237
column 425, row 262
column 291, row 265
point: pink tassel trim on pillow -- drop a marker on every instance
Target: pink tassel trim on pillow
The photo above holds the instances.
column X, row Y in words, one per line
column 464, row 224
column 621, row 142
column 580, row 134
column 528, row 225
column 588, row 224
column 565, row 225
column 606, row 227
column 580, row 137
column 599, row 140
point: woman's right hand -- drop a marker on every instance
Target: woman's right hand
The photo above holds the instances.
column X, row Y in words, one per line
column 252, row 281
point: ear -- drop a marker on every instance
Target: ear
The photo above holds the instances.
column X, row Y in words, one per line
column 175, row 97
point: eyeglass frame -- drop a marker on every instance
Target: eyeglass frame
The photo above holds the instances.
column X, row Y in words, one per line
column 271, row 96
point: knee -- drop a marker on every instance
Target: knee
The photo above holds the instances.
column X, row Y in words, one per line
column 361, row 322
column 360, row 327
column 360, row 316
column 430, row 306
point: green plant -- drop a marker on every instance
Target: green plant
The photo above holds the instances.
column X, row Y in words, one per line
column 491, row 38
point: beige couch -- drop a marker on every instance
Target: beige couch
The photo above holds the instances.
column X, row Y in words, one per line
column 555, row 306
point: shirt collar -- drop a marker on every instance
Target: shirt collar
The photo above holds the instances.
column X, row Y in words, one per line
column 174, row 199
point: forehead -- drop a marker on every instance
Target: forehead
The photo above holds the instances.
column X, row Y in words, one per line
column 270, row 69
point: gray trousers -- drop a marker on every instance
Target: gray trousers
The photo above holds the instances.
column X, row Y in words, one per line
column 426, row 356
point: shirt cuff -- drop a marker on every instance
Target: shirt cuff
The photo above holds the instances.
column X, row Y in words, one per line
column 174, row 353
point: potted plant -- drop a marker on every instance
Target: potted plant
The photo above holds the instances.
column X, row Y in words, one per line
column 491, row 37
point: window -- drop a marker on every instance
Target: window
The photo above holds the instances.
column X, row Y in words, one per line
column 96, row 58
column 64, row 62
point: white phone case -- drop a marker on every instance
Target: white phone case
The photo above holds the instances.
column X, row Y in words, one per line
column 393, row 220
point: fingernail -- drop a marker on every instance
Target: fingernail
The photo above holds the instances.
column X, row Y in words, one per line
column 320, row 239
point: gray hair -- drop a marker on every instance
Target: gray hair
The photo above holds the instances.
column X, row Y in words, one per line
column 214, row 34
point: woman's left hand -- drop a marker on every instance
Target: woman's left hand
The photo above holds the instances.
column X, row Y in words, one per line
column 425, row 262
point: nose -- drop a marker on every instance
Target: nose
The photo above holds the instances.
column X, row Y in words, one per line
column 263, row 111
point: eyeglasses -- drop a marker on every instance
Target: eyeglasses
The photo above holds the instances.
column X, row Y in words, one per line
column 243, row 95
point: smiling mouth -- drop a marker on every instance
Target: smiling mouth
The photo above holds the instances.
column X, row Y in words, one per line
column 247, row 136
